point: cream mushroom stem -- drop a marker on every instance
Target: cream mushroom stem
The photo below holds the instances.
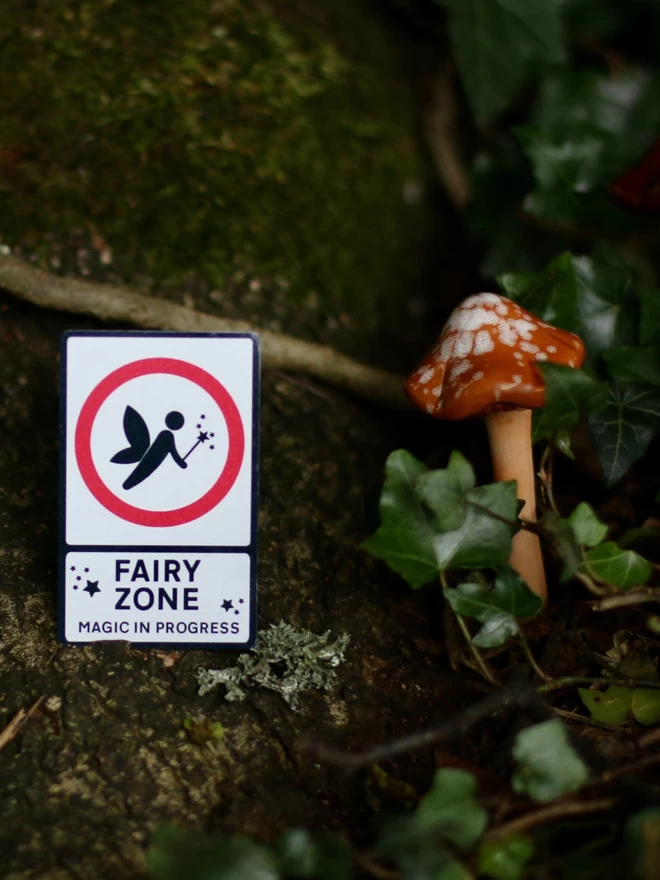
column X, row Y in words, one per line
column 510, row 435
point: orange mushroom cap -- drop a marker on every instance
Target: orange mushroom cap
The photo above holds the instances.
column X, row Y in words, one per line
column 486, row 360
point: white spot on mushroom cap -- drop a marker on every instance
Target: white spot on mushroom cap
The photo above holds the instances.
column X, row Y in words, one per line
column 463, row 344
column 552, row 349
column 460, row 368
column 541, row 356
column 522, row 327
column 471, row 319
column 483, row 342
column 529, row 347
column 426, row 375
column 437, row 391
column 507, row 335
column 478, row 375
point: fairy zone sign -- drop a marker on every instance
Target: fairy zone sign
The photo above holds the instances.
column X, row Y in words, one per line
column 159, row 483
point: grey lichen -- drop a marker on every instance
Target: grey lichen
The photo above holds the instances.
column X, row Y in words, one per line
column 285, row 659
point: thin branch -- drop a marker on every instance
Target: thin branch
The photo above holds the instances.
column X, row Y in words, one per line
column 440, row 119
column 627, row 770
column 636, row 597
column 481, row 663
column 124, row 305
column 551, row 814
column 590, row 722
column 571, row 680
column 531, row 659
column 585, row 649
column 17, row 722
column 517, row 694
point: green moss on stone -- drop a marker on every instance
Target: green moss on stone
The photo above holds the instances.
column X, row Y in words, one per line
column 213, row 137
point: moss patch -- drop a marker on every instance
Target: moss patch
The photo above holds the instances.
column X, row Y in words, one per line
column 213, row 138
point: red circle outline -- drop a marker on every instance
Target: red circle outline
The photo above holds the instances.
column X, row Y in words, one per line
column 180, row 515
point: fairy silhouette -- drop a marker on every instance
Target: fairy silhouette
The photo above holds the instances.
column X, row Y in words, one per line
column 149, row 456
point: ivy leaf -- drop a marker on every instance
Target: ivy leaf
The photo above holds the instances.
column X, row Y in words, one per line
column 586, row 526
column 495, row 42
column 449, row 812
column 586, row 129
column 634, row 364
column 646, row 706
column 620, row 568
column 548, row 766
column 611, row 706
column 405, row 538
column 173, row 855
column 569, row 395
column 444, row 491
column 624, row 429
column 591, row 296
column 505, row 859
column 482, row 541
column 498, row 609
column 325, row 857
column 649, row 324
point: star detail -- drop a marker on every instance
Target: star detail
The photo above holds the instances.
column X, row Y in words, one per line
column 227, row 604
column 86, row 570
column 211, row 435
column 240, row 601
column 73, row 568
column 211, row 447
column 198, row 426
column 203, row 436
column 202, row 417
column 92, row 588
column 75, row 586
column 237, row 612
column 78, row 578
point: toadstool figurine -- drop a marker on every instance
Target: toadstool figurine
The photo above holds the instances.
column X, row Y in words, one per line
column 485, row 363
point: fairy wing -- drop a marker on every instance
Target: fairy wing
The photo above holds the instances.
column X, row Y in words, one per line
column 137, row 435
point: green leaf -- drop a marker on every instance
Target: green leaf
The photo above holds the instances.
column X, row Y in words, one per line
column 548, row 766
column 444, row 491
column 405, row 538
column 505, row 859
column 620, row 568
column 591, row 296
column 624, row 429
column 482, row 541
column 586, row 526
column 498, row 609
column 646, row 705
column 173, row 855
column 562, row 440
column 569, row 395
column 634, row 364
column 611, row 706
column 649, row 325
column 325, row 857
column 449, row 812
column 587, row 128
column 495, row 42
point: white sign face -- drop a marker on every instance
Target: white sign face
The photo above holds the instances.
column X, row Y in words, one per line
column 160, row 457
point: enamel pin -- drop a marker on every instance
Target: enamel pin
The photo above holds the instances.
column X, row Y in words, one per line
column 158, row 543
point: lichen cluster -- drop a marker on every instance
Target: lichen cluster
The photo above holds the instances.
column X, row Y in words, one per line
column 287, row 660
column 212, row 137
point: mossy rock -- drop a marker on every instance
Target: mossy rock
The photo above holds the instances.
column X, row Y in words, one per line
column 224, row 140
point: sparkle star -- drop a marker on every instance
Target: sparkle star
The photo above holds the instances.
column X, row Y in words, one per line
column 202, row 417
column 75, row 586
column 237, row 612
column 203, row 437
column 227, row 604
column 92, row 588
column 198, row 426
column 78, row 578
column 211, row 435
column 211, row 447
column 86, row 570
column 240, row 601
column 73, row 568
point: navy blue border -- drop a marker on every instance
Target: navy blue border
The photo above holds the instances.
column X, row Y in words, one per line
column 251, row 550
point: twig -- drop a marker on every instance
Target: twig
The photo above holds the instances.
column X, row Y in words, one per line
column 636, row 597
column 551, row 814
column 545, row 474
column 531, row 659
column 591, row 722
column 481, row 663
column 124, row 305
column 586, row 650
column 516, row 694
column 570, row 680
column 440, row 118
column 627, row 770
column 19, row 719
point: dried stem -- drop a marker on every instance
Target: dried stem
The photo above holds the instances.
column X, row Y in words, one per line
column 440, row 119
column 636, row 597
column 551, row 814
column 124, row 305
column 17, row 722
